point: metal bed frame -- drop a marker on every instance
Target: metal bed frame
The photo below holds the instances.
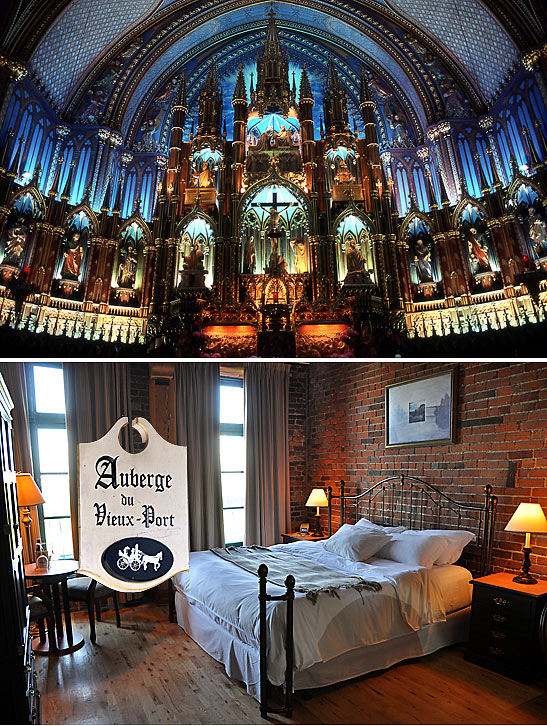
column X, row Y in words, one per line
column 395, row 500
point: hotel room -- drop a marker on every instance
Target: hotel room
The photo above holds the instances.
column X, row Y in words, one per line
column 323, row 542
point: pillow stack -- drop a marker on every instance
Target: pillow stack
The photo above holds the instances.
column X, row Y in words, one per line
column 425, row 548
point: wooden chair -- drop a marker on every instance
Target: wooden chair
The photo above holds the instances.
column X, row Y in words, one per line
column 41, row 609
column 91, row 592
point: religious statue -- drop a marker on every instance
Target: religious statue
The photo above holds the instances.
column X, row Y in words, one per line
column 16, row 241
column 537, row 232
column 249, row 256
column 73, row 256
column 204, row 178
column 127, row 270
column 478, row 252
column 283, row 138
column 355, row 262
column 194, row 260
column 301, row 258
column 397, row 123
column 277, row 264
column 423, row 261
column 150, row 125
column 344, row 175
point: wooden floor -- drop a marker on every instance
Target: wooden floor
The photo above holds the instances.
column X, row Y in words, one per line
column 150, row 672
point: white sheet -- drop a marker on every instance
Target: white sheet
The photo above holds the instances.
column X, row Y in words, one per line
column 411, row 598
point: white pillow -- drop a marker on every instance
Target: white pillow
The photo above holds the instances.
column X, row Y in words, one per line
column 457, row 539
column 356, row 543
column 371, row 525
column 413, row 549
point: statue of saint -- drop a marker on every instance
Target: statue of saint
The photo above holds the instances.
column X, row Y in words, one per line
column 537, row 232
column 422, row 261
column 478, row 252
column 249, row 256
column 301, row 261
column 357, row 274
column 284, row 137
column 344, row 175
column 194, row 260
column 203, row 179
column 127, row 270
column 73, row 255
column 15, row 244
column 354, row 259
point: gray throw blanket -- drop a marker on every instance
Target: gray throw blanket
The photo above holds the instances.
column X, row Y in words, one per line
column 310, row 577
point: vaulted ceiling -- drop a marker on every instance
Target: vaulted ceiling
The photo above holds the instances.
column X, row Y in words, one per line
column 128, row 55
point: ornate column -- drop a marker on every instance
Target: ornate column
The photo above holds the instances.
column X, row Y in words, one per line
column 103, row 136
column 114, row 140
column 486, row 123
column 446, row 130
column 61, row 132
column 434, row 136
column 423, row 155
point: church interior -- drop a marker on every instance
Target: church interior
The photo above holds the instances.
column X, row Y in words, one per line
column 272, row 179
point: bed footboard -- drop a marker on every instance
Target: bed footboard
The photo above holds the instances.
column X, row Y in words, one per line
column 263, row 597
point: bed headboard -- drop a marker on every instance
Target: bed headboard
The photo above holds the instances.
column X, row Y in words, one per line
column 415, row 504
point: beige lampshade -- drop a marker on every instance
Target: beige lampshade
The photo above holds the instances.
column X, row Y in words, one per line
column 528, row 517
column 28, row 494
column 317, row 498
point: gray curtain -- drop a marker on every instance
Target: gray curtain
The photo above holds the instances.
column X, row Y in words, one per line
column 267, row 503
column 97, row 395
column 197, row 404
column 14, row 376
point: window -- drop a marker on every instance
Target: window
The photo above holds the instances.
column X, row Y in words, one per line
column 46, row 395
column 232, row 457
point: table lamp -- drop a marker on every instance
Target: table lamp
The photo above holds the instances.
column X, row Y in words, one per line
column 528, row 518
column 28, row 495
column 317, row 499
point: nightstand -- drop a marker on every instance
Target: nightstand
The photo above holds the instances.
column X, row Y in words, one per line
column 287, row 537
column 508, row 632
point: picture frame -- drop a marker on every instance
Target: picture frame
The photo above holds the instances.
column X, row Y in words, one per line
column 421, row 411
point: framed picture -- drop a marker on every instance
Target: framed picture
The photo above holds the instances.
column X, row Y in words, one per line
column 421, row 411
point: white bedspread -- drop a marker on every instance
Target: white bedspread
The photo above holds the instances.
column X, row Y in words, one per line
column 410, row 599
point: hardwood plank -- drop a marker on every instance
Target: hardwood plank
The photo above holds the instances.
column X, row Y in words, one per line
column 150, row 672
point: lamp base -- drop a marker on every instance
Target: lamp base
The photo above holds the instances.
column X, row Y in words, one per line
column 317, row 528
column 524, row 577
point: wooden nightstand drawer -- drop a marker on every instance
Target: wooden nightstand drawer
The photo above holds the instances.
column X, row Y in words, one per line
column 504, row 634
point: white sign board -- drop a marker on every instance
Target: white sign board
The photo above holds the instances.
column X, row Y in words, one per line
column 133, row 510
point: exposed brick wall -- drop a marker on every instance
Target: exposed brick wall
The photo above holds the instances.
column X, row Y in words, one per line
column 298, row 440
column 501, row 425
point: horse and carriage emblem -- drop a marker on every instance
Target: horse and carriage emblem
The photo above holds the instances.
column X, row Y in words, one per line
column 135, row 558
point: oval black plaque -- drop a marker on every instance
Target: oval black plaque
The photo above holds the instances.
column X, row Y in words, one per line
column 137, row 559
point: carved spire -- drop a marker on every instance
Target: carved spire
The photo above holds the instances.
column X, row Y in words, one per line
column 272, row 73
column 4, row 153
column 445, row 202
column 14, row 166
column 105, row 206
column 335, row 103
column 54, row 189
column 485, row 186
column 210, row 104
column 240, row 91
column 495, row 176
column 365, row 95
column 272, row 46
column 180, row 95
column 68, row 183
column 305, row 87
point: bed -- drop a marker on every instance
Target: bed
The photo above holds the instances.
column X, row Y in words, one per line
column 287, row 638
